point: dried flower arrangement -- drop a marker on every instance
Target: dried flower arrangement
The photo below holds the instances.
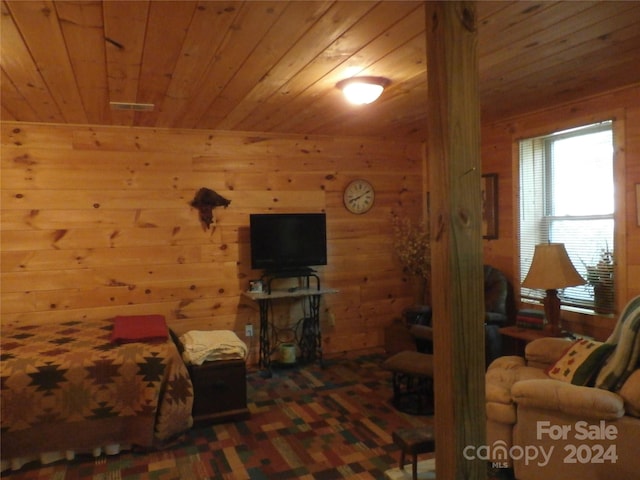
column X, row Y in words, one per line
column 412, row 245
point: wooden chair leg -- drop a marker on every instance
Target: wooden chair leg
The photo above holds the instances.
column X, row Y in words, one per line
column 413, row 441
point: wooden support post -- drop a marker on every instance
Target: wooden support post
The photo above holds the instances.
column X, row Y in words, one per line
column 453, row 150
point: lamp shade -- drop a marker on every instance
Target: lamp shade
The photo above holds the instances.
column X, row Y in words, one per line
column 552, row 269
column 362, row 90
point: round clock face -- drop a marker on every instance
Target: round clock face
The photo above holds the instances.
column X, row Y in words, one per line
column 358, row 196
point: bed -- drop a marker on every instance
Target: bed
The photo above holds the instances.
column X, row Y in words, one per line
column 78, row 387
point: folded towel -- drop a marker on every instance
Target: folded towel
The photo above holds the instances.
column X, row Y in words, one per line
column 210, row 345
column 139, row 328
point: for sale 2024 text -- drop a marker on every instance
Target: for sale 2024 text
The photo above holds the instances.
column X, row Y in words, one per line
column 581, row 442
column 581, row 431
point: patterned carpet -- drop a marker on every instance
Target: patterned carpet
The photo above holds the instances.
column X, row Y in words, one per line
column 306, row 423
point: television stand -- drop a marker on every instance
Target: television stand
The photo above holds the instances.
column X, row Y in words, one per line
column 306, row 331
column 290, row 272
column 306, row 273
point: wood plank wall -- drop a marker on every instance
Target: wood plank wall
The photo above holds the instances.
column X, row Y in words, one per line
column 498, row 156
column 96, row 222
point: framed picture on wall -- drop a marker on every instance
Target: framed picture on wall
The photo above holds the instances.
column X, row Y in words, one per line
column 489, row 188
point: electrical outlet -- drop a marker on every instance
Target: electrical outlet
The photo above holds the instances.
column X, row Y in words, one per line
column 248, row 330
column 332, row 319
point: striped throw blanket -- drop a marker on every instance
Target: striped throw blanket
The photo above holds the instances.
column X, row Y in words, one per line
column 624, row 359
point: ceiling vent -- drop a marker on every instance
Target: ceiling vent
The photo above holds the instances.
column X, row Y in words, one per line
column 138, row 107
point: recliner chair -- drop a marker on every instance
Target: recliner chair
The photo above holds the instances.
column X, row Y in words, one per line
column 499, row 311
column 582, row 388
column 496, row 294
column 412, row 369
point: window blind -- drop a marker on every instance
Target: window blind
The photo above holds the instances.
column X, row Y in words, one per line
column 567, row 196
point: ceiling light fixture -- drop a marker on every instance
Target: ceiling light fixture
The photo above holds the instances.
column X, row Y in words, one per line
column 362, row 90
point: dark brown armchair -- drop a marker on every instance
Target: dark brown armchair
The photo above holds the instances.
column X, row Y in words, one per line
column 499, row 311
column 496, row 296
column 410, row 345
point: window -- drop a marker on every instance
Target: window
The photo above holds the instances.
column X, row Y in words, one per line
column 567, row 196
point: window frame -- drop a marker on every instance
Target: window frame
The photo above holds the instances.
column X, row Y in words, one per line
column 548, row 216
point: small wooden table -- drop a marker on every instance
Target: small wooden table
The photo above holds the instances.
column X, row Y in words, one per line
column 414, row 441
column 518, row 337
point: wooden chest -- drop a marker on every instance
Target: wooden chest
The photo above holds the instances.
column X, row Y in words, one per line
column 220, row 391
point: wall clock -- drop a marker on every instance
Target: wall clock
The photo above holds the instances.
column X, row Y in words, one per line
column 358, row 196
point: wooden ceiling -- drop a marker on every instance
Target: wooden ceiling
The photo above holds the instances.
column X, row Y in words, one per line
column 272, row 66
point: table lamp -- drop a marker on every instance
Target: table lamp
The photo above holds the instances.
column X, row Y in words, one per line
column 550, row 270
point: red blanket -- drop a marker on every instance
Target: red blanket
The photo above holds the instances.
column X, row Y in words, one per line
column 139, row 328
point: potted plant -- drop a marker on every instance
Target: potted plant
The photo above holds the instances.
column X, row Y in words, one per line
column 600, row 277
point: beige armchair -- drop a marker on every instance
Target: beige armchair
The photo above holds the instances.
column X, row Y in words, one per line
column 543, row 426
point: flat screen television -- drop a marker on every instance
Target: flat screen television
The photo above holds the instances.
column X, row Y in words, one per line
column 288, row 241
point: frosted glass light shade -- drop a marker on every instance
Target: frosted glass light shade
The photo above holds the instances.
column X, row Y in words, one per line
column 362, row 90
column 362, row 93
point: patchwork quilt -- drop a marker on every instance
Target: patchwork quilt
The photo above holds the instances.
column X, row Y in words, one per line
column 68, row 386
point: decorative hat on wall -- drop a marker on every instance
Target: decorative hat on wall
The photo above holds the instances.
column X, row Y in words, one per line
column 205, row 201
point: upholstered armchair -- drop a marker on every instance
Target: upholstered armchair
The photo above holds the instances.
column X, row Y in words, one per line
column 414, row 331
column 578, row 402
column 499, row 310
column 497, row 296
